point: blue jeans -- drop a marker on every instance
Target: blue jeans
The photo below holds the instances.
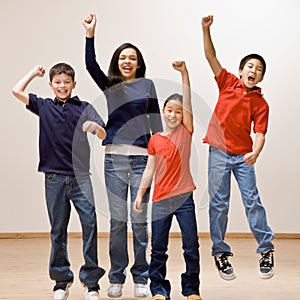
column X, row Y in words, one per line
column 60, row 189
column 183, row 207
column 123, row 173
column 220, row 167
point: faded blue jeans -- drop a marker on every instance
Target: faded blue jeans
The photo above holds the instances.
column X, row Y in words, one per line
column 183, row 208
column 220, row 167
column 123, row 173
column 60, row 190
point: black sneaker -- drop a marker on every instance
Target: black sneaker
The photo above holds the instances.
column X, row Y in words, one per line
column 225, row 269
column 266, row 264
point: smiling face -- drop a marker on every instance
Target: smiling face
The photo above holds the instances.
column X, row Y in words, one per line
column 62, row 86
column 173, row 114
column 252, row 73
column 128, row 63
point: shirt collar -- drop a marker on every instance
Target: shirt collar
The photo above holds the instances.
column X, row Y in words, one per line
column 256, row 89
column 75, row 99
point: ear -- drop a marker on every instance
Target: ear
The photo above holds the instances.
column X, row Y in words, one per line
column 74, row 84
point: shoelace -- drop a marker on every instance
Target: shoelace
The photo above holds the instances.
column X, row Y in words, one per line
column 266, row 259
column 224, row 263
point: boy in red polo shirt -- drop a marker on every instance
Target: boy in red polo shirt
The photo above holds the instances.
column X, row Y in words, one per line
column 240, row 105
column 169, row 159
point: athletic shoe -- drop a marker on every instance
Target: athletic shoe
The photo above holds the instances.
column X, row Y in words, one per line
column 266, row 264
column 194, row 297
column 61, row 291
column 140, row 290
column 226, row 271
column 91, row 293
column 115, row 290
column 159, row 297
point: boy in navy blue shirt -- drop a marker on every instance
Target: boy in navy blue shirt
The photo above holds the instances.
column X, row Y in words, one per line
column 65, row 159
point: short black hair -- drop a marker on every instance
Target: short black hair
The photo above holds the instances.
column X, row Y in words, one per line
column 62, row 68
column 114, row 74
column 174, row 97
column 253, row 56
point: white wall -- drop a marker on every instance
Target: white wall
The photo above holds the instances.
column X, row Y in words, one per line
column 46, row 32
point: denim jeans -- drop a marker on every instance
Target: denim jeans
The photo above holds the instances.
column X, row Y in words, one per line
column 183, row 207
column 60, row 189
column 220, row 167
column 123, row 173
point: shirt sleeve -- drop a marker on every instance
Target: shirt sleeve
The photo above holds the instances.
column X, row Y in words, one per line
column 35, row 104
column 151, row 150
column 92, row 115
column 92, row 66
column 225, row 79
column 154, row 111
column 261, row 118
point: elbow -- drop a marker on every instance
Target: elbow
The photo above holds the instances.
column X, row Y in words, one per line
column 15, row 92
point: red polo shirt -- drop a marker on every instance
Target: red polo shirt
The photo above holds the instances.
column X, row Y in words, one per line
column 172, row 163
column 235, row 112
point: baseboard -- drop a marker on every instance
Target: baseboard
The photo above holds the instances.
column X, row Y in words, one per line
column 233, row 235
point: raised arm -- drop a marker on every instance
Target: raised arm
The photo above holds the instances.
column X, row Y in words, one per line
column 209, row 49
column 89, row 24
column 186, row 93
column 145, row 183
column 19, row 89
column 92, row 66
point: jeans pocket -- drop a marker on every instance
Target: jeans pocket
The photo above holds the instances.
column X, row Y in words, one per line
column 212, row 149
column 49, row 176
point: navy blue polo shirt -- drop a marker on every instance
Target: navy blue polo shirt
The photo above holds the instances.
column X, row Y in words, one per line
column 63, row 146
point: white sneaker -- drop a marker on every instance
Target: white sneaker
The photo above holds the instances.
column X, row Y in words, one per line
column 115, row 290
column 140, row 290
column 93, row 295
column 61, row 294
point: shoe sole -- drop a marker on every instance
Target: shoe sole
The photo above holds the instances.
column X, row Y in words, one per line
column 114, row 295
column 266, row 275
column 227, row 277
column 141, row 295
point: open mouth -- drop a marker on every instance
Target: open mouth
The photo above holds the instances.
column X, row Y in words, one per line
column 127, row 69
column 251, row 79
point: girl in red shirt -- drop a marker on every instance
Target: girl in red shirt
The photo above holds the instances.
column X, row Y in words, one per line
column 169, row 164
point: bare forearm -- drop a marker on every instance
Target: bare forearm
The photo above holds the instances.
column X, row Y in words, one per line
column 19, row 88
column 145, row 183
column 259, row 143
column 251, row 157
column 186, row 91
column 209, row 49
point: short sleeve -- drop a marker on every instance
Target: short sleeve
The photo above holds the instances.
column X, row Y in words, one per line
column 35, row 104
column 151, row 150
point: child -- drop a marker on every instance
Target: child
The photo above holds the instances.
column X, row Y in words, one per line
column 64, row 158
column 231, row 150
column 169, row 158
column 133, row 115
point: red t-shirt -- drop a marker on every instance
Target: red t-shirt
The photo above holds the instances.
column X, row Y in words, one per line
column 230, row 126
column 172, row 163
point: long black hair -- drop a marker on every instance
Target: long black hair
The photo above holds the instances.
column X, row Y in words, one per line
column 114, row 74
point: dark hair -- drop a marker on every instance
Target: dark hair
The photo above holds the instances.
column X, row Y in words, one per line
column 114, row 74
column 62, row 68
column 173, row 97
column 253, row 56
